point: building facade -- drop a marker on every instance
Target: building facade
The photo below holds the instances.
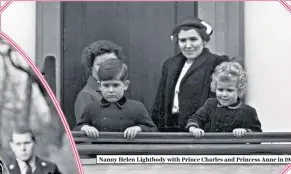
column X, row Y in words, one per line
column 253, row 32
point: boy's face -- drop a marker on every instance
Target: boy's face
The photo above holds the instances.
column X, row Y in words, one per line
column 113, row 90
column 226, row 92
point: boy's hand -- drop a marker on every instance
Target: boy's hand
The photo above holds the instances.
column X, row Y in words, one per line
column 197, row 132
column 90, row 131
column 239, row 132
column 131, row 132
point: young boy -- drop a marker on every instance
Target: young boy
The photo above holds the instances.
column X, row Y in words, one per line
column 92, row 57
column 226, row 112
column 114, row 112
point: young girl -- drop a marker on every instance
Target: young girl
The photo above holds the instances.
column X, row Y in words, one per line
column 226, row 112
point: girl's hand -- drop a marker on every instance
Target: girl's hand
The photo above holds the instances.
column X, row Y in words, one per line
column 239, row 132
column 131, row 132
column 197, row 132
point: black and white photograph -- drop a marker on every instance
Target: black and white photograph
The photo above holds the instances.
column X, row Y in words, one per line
column 165, row 79
column 33, row 138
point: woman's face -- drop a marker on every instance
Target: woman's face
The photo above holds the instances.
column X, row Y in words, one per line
column 99, row 60
column 191, row 44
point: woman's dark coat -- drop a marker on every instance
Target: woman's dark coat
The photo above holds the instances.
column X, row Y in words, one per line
column 194, row 88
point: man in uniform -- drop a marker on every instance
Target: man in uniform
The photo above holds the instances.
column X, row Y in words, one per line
column 26, row 162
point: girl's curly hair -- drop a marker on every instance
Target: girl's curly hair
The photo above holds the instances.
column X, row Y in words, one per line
column 230, row 69
column 98, row 48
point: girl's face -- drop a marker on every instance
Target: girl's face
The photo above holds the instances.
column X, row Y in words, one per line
column 226, row 92
column 99, row 60
column 191, row 44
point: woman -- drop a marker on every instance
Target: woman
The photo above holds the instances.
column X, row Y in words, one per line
column 92, row 57
column 185, row 83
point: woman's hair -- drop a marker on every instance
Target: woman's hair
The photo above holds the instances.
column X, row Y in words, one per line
column 113, row 69
column 98, row 48
column 226, row 71
column 192, row 22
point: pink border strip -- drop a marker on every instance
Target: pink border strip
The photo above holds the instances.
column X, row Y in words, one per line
column 140, row 0
column 285, row 5
column 5, row 6
column 39, row 75
column 288, row 167
column 0, row 15
column 7, row 3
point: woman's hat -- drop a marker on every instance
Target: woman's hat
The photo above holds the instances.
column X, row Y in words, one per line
column 192, row 21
